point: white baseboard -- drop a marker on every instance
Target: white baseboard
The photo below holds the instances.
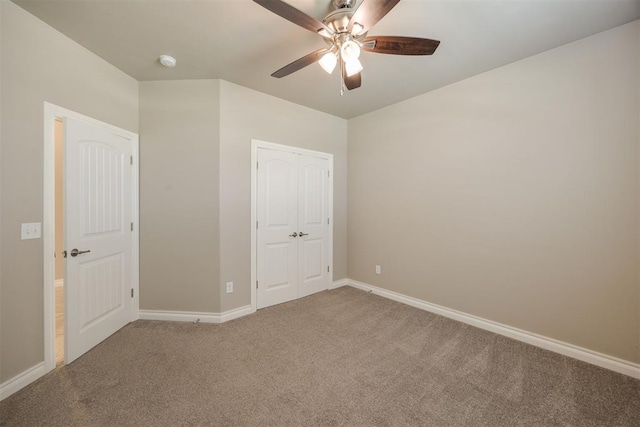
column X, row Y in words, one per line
column 339, row 283
column 22, row 380
column 194, row 316
column 59, row 283
column 235, row 313
column 593, row 357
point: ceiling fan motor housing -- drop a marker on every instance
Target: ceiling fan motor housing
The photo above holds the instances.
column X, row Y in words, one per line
column 338, row 20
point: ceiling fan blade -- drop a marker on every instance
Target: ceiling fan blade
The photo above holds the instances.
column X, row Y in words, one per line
column 300, row 63
column 370, row 12
column 396, row 45
column 294, row 15
column 353, row 82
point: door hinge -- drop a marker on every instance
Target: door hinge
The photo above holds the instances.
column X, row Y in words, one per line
column 327, row 221
column 131, row 292
column 257, row 165
column 327, row 268
column 328, row 174
column 131, row 159
column 131, row 226
column 256, row 284
column 256, row 225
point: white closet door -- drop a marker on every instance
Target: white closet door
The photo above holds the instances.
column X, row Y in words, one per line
column 293, row 226
column 313, row 227
column 97, row 235
column 277, row 213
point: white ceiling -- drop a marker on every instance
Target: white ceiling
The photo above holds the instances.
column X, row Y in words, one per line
column 241, row 42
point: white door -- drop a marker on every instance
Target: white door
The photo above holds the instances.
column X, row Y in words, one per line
column 98, row 215
column 292, row 228
column 313, row 225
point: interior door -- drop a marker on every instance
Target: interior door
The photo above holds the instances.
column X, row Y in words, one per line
column 292, row 229
column 313, row 225
column 98, row 236
column 277, row 207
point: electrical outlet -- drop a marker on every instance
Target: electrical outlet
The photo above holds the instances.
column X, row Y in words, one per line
column 378, row 269
column 229, row 287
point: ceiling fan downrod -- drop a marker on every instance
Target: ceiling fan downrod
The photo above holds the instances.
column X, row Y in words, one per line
column 344, row 4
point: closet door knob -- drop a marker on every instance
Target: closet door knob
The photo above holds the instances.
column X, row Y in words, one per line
column 294, row 234
column 303, row 234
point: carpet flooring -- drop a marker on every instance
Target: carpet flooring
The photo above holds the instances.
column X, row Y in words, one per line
column 338, row 358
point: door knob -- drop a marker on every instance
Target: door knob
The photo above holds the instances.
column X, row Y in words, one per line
column 75, row 252
column 303, row 234
column 294, row 234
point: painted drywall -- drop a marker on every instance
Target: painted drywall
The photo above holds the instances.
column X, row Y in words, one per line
column 179, row 241
column 512, row 195
column 59, row 266
column 40, row 64
column 1, row 235
column 244, row 115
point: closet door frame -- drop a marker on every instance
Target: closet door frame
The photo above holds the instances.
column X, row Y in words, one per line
column 255, row 145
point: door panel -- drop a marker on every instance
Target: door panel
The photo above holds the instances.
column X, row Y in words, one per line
column 313, row 213
column 101, row 185
column 98, row 214
column 101, row 290
column 277, row 220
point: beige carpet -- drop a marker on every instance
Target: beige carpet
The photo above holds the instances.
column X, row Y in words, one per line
column 59, row 325
column 341, row 357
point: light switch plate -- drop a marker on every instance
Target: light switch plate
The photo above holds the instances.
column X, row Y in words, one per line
column 31, row 230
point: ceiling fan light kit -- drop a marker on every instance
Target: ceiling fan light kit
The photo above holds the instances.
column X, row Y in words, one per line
column 345, row 31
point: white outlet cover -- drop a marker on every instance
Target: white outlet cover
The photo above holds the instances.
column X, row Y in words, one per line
column 229, row 287
column 31, row 230
column 378, row 269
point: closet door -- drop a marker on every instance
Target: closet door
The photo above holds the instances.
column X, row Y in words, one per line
column 313, row 225
column 277, row 209
column 293, row 226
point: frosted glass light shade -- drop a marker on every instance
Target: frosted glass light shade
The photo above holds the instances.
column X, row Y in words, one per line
column 328, row 62
column 350, row 50
column 352, row 67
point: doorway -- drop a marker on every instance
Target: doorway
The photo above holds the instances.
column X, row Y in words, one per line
column 91, row 203
column 292, row 223
column 59, row 233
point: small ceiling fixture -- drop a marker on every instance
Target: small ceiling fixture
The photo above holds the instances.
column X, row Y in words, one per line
column 345, row 32
column 168, row 61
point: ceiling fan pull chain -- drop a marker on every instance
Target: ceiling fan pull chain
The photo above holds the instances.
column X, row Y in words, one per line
column 342, row 85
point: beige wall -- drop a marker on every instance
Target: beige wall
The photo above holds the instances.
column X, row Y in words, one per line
column 512, row 195
column 40, row 64
column 1, row 62
column 195, row 139
column 244, row 115
column 179, row 241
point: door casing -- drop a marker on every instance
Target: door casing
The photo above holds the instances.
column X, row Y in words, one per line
column 51, row 113
column 255, row 145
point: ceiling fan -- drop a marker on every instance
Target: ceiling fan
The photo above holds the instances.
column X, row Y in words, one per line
column 345, row 31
